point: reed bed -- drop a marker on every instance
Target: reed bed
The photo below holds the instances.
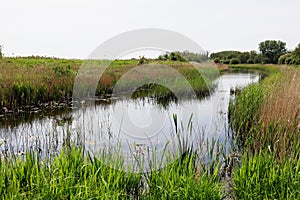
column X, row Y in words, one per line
column 265, row 118
column 70, row 175
column 32, row 81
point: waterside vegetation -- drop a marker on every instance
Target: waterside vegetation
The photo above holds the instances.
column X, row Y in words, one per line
column 264, row 117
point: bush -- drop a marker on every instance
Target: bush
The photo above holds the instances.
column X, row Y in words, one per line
column 250, row 61
column 175, row 56
column 226, row 61
column 257, row 59
column 234, row 61
column 143, row 60
column 282, row 59
column 297, row 51
column 295, row 61
column 265, row 60
column 217, row 60
column 1, row 54
column 245, row 56
column 288, row 60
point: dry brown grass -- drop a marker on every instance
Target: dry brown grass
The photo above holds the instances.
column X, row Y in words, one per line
column 280, row 117
column 222, row 67
column 282, row 105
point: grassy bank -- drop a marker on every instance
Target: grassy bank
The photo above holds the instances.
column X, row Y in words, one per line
column 266, row 120
column 70, row 176
column 34, row 80
column 30, row 81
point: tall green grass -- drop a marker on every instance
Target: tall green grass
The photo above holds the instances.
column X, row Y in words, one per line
column 262, row 176
column 36, row 80
column 245, row 109
column 71, row 176
column 265, row 119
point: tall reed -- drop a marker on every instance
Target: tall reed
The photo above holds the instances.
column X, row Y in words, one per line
column 265, row 118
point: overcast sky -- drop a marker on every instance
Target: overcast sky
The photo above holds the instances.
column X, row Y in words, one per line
column 73, row 28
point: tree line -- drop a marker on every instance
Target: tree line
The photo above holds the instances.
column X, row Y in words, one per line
column 185, row 56
column 270, row 52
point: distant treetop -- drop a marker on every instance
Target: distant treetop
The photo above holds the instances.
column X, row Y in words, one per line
column 185, row 56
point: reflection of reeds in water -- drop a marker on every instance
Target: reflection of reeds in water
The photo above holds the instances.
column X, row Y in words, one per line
column 47, row 140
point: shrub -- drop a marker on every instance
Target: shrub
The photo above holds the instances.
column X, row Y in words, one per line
column 257, row 59
column 282, row 59
column 175, row 56
column 217, row 60
column 288, row 60
column 234, row 61
column 143, row 60
column 265, row 60
column 1, row 54
column 250, row 61
column 297, row 51
column 226, row 61
column 295, row 61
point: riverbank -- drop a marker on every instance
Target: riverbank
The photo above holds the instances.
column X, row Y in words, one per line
column 32, row 81
column 266, row 121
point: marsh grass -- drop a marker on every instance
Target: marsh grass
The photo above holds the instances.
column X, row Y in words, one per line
column 282, row 105
column 72, row 175
column 262, row 177
column 267, row 114
column 32, row 80
column 265, row 118
column 35, row 80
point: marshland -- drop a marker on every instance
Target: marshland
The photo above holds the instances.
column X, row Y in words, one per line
column 235, row 136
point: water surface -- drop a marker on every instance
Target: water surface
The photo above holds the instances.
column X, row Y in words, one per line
column 129, row 123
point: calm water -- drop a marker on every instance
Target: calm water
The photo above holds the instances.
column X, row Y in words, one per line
column 130, row 123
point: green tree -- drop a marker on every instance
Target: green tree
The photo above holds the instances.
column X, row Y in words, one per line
column 174, row 56
column 195, row 57
column 297, row 51
column 235, row 61
column 244, row 57
column 143, row 60
column 286, row 59
column 1, row 54
column 271, row 50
